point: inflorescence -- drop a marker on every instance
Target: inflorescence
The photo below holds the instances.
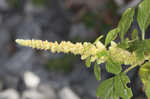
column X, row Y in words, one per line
column 86, row 50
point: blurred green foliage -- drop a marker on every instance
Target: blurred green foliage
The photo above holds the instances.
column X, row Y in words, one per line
column 63, row 64
column 103, row 19
column 40, row 2
column 90, row 19
column 14, row 3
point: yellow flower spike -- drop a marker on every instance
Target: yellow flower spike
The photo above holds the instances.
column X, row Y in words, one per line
column 85, row 49
column 101, row 60
column 83, row 57
column 100, row 46
column 93, row 58
column 65, row 47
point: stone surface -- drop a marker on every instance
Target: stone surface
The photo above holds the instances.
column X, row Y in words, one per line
column 67, row 93
column 28, row 29
column 3, row 5
column 32, row 94
column 41, row 93
column 4, row 42
column 9, row 94
column 80, row 30
column 20, row 62
column 31, row 80
column 48, row 90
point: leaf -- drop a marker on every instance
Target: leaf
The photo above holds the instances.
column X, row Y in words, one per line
column 103, row 53
column 111, row 36
column 114, row 88
column 97, row 71
column 124, row 44
column 147, row 89
column 106, row 89
column 121, row 82
column 113, row 67
column 88, row 62
column 143, row 16
column 133, row 45
column 143, row 48
column 125, row 22
column 144, row 73
column 135, row 35
column 98, row 39
column 140, row 54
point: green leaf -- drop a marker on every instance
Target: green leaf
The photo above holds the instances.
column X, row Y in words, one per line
column 97, row 71
column 140, row 54
column 143, row 48
column 147, row 89
column 113, row 67
column 121, row 82
column 133, row 45
column 114, row 88
column 111, row 36
column 88, row 62
column 98, row 39
column 125, row 22
column 106, row 89
column 143, row 16
column 103, row 53
column 134, row 35
column 124, row 44
column 144, row 73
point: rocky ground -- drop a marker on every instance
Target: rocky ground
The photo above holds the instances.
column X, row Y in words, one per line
column 23, row 74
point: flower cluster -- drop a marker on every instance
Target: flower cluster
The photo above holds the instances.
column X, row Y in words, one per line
column 85, row 49
column 123, row 56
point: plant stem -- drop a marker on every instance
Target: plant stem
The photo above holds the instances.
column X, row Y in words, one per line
column 131, row 67
column 143, row 35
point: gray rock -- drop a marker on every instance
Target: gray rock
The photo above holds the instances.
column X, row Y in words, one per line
column 20, row 62
column 90, row 85
column 39, row 94
column 47, row 90
column 4, row 38
column 4, row 5
column 67, row 93
column 4, row 42
column 30, row 8
column 9, row 80
column 9, row 94
column 32, row 94
column 28, row 29
column 31, row 80
column 80, row 30
column 12, row 70
column 12, row 21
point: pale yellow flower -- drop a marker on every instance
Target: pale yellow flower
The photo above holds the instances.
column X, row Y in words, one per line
column 86, row 50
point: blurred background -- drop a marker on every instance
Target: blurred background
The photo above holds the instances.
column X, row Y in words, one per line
column 34, row 74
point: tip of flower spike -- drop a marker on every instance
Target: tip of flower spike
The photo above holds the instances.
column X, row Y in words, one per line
column 19, row 41
column 22, row 42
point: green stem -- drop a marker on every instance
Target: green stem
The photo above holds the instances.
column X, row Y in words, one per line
column 131, row 67
column 143, row 35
